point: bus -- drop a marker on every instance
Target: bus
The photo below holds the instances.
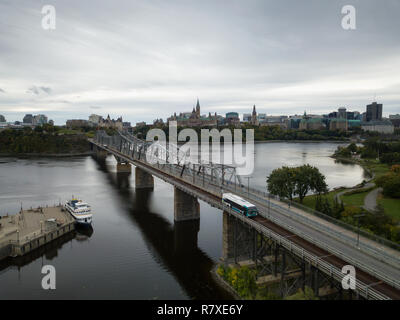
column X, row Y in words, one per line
column 239, row 205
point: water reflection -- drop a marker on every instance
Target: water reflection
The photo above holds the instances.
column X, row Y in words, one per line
column 49, row 251
column 172, row 245
column 83, row 233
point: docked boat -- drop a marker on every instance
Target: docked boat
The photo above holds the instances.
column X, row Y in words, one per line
column 80, row 210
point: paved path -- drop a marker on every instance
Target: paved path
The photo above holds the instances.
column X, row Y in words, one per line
column 370, row 202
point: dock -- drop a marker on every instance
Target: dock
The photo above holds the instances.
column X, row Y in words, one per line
column 30, row 229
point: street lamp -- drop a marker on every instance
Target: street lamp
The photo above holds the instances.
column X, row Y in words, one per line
column 358, row 216
column 269, row 204
column 248, row 186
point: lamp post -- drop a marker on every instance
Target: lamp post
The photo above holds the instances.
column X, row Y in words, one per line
column 269, row 204
column 248, row 186
column 358, row 216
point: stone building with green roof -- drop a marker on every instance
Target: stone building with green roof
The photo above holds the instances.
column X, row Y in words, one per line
column 194, row 119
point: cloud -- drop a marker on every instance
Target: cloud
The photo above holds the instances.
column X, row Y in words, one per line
column 46, row 89
column 37, row 90
column 33, row 90
column 95, row 107
column 1, row 90
column 148, row 59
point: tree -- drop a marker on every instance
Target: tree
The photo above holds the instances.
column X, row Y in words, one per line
column 287, row 182
column 308, row 178
column 322, row 205
column 281, row 182
column 390, row 158
column 352, row 147
column 390, row 182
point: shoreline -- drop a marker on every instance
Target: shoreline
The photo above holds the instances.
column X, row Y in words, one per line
column 301, row 141
column 223, row 284
column 180, row 143
column 44, row 155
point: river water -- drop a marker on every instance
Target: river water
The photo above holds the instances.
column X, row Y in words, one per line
column 134, row 251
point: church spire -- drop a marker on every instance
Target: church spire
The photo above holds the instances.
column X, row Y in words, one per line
column 198, row 108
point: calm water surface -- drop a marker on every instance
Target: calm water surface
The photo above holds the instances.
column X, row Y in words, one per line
column 135, row 250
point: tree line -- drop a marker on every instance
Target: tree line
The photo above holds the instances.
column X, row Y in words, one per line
column 42, row 139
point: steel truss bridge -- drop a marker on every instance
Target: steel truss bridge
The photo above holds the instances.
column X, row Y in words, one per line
column 318, row 247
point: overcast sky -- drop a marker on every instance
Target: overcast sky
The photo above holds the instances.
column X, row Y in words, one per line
column 146, row 59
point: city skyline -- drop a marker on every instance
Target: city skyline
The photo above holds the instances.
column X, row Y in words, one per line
column 147, row 60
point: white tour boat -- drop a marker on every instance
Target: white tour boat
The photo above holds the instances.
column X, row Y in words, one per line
column 80, row 210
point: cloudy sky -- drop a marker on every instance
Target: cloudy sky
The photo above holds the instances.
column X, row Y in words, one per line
column 146, row 59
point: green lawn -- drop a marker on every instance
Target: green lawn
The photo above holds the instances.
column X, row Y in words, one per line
column 356, row 199
column 375, row 166
column 391, row 206
column 310, row 201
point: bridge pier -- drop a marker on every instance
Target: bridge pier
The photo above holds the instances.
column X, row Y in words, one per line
column 186, row 207
column 143, row 179
column 238, row 241
column 100, row 154
column 124, row 167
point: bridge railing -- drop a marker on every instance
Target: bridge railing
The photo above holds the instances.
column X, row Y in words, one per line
column 335, row 221
column 365, row 290
column 375, row 251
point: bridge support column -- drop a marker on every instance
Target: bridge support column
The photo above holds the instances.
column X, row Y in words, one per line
column 100, row 153
column 186, row 207
column 143, row 180
column 124, row 167
column 238, row 241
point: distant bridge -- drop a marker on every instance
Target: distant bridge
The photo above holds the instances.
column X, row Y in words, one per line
column 317, row 248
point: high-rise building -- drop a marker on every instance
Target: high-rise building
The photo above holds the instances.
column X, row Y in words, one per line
column 39, row 119
column 246, row 117
column 28, row 118
column 342, row 113
column 374, row 112
column 2, row 118
column 262, row 117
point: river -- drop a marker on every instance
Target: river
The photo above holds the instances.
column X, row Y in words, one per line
column 135, row 251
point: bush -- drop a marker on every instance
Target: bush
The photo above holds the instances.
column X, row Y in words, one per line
column 391, row 186
column 243, row 280
column 390, row 182
column 390, row 158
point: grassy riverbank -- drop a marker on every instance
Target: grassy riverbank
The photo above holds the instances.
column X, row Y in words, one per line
column 380, row 214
